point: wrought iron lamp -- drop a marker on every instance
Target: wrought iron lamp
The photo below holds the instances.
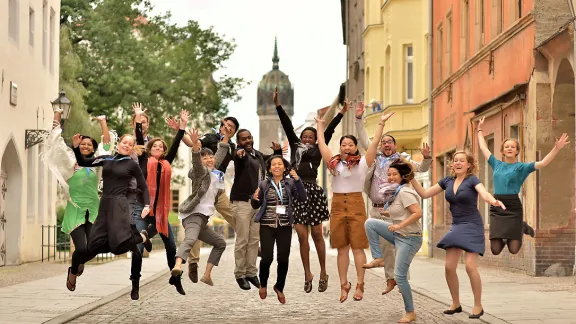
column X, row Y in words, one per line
column 36, row 136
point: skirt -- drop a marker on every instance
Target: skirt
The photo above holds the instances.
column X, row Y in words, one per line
column 347, row 221
column 507, row 224
column 466, row 236
column 314, row 210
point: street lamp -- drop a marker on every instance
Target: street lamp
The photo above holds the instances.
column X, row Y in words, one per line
column 36, row 136
column 63, row 104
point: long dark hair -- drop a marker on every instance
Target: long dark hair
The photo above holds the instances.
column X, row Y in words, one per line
column 404, row 168
column 269, row 165
column 94, row 144
column 353, row 138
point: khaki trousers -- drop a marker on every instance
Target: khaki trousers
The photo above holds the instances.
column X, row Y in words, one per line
column 247, row 239
column 223, row 208
column 388, row 251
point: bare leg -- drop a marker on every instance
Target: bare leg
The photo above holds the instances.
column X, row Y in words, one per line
column 178, row 264
column 343, row 263
column 475, row 281
column 359, row 261
column 452, row 258
column 318, row 238
column 302, row 231
column 207, row 277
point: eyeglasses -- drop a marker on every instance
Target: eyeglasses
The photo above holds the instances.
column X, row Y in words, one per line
column 387, row 142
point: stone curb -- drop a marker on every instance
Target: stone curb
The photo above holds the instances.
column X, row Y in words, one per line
column 486, row 318
column 83, row 310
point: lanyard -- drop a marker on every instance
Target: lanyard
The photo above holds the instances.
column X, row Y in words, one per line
column 278, row 190
column 395, row 194
column 384, row 159
column 219, row 174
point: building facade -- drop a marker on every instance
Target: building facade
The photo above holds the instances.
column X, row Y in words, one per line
column 396, row 70
column 270, row 127
column 29, row 60
column 510, row 62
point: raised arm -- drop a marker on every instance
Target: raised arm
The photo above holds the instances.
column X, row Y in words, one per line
column 277, row 150
column 359, row 123
column 81, row 160
column 373, row 148
column 138, row 112
column 324, row 149
column 481, row 141
column 487, row 197
column 223, row 146
column 427, row 162
column 560, row 143
column 426, row 193
column 104, row 127
column 336, row 120
column 285, row 120
column 197, row 167
column 176, row 143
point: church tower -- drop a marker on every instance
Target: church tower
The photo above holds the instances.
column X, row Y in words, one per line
column 270, row 127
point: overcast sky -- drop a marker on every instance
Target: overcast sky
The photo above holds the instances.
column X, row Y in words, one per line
column 310, row 47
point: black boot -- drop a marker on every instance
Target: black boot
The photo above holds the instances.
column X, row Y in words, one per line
column 135, row 289
column 254, row 281
column 528, row 230
column 147, row 244
column 176, row 281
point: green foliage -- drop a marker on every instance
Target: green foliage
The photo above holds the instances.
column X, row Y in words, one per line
column 173, row 218
column 60, row 211
column 127, row 55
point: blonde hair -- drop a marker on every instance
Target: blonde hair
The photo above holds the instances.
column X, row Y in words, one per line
column 513, row 140
column 137, row 149
column 469, row 158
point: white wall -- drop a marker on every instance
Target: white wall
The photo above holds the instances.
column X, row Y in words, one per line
column 33, row 64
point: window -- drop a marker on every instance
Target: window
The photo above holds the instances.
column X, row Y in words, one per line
column 479, row 24
column 31, row 27
column 464, row 31
column 487, row 178
column 381, row 84
column 175, row 200
column 44, row 32
column 449, row 44
column 518, row 9
column 52, row 39
column 439, row 49
column 499, row 16
column 388, row 83
column 409, row 76
column 13, row 22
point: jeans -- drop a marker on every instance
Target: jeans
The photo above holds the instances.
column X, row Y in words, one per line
column 141, row 224
column 406, row 248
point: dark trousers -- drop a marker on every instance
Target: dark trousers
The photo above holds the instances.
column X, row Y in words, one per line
column 149, row 224
column 282, row 236
column 80, row 238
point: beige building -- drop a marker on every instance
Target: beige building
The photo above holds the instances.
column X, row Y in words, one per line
column 29, row 61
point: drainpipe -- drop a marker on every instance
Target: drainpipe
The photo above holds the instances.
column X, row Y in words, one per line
column 572, row 9
column 430, row 120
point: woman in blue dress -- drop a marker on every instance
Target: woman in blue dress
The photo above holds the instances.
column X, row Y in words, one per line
column 507, row 227
column 467, row 231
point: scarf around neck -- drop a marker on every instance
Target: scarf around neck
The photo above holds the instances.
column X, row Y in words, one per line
column 352, row 160
column 300, row 151
column 161, row 207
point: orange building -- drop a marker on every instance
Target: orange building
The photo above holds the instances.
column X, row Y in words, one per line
column 511, row 62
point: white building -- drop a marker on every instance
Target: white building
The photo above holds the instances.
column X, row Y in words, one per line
column 29, row 62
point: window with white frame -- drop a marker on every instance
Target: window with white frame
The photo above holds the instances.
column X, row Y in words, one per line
column 409, row 74
column 13, row 22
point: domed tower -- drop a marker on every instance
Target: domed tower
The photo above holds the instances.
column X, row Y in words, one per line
column 270, row 127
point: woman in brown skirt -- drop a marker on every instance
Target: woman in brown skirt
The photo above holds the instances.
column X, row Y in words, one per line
column 348, row 213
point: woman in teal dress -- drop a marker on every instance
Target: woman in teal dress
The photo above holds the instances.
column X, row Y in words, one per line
column 507, row 227
column 80, row 185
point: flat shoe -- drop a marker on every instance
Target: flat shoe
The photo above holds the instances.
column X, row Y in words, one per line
column 281, row 299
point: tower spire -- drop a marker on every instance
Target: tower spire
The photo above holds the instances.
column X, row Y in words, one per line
column 275, row 58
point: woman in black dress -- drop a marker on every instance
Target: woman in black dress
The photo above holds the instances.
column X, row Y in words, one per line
column 462, row 188
column 305, row 158
column 113, row 231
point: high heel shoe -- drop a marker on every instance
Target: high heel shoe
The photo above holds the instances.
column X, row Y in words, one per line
column 346, row 290
column 359, row 286
column 453, row 311
column 477, row 316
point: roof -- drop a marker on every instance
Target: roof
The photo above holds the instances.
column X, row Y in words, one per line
column 275, row 77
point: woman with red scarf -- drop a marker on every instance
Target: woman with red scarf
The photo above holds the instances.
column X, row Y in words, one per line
column 348, row 214
column 156, row 166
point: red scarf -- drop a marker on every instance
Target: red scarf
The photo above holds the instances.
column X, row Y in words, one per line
column 162, row 206
column 352, row 160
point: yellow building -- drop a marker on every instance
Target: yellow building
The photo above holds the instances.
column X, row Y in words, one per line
column 395, row 42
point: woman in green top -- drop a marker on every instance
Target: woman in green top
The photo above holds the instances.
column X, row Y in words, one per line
column 507, row 226
column 81, row 186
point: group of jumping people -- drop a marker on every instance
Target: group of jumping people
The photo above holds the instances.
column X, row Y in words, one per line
column 271, row 197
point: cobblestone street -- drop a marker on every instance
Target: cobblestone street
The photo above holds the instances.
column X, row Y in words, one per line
column 226, row 303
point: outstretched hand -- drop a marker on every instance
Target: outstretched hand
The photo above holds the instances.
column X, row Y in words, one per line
column 481, row 122
column 294, row 175
column 385, row 117
column 425, row 150
column 360, row 109
column 275, row 146
column 194, row 137
column 184, row 115
column 76, row 139
column 100, row 118
column 275, row 97
column 137, row 107
column 172, row 123
column 346, row 107
column 226, row 130
column 562, row 141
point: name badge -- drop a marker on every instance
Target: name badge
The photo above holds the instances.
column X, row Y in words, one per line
column 345, row 173
column 281, row 210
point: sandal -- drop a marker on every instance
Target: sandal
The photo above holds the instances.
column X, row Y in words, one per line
column 308, row 285
column 359, row 286
column 80, row 270
column 281, row 299
column 323, row 284
column 69, row 284
column 347, row 290
column 376, row 263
